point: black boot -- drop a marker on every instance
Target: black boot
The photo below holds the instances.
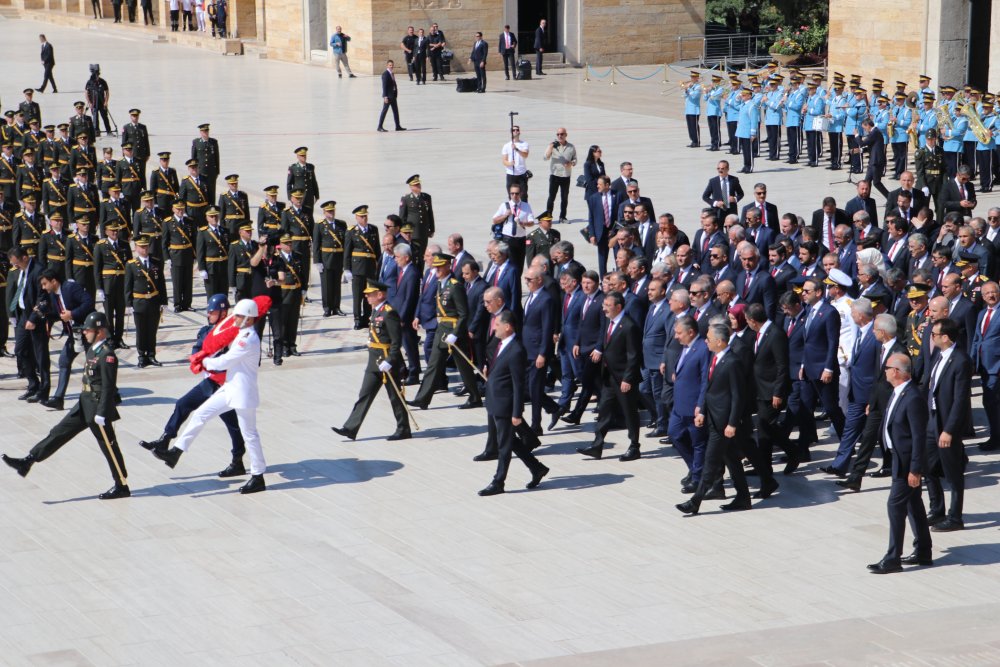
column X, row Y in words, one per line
column 160, row 443
column 116, row 491
column 22, row 466
column 168, row 456
column 234, row 469
column 277, row 354
column 254, row 485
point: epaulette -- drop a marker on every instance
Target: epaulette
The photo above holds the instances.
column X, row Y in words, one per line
column 133, row 261
column 233, row 242
column 101, row 241
column 201, row 229
column 387, row 308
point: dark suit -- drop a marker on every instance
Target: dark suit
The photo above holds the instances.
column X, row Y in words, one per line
column 645, row 201
column 875, row 143
column 864, row 373
column 949, row 404
column 655, row 337
column 951, row 195
column 771, row 378
column 505, row 393
column 713, row 193
column 389, row 92
column 917, row 201
column 537, row 337
column 509, row 55
column 31, row 347
column 621, row 361
column 877, row 402
column 427, row 310
column 822, row 339
column 600, row 226
column 700, row 250
column 403, row 296
column 819, row 221
column 761, row 290
column 688, row 379
column 856, row 204
column 905, row 421
column 478, row 57
column 539, row 47
column 964, row 314
column 782, row 274
column 770, row 220
column 571, row 306
column 479, row 321
column 590, row 337
column 48, row 62
column 986, row 358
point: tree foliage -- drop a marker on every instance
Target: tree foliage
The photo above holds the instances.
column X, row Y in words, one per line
column 766, row 16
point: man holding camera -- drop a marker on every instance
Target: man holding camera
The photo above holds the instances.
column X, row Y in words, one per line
column 511, row 223
column 98, row 95
column 562, row 158
column 513, row 155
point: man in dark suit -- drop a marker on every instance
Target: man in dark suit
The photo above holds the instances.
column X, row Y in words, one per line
column 620, row 184
column 478, row 59
column 31, row 342
column 634, row 198
column 591, row 332
column 758, row 234
column 754, row 284
column 479, row 321
column 949, row 401
column 863, row 201
column 404, row 297
column 960, row 309
column 721, row 408
column 601, row 208
column 768, row 212
column 687, row 371
column 723, row 192
column 654, row 339
column 571, row 367
column 793, row 324
column 426, row 315
column 539, row 46
column 505, row 276
column 620, row 355
column 68, row 303
column 781, row 271
column 507, row 47
column 538, row 329
column 896, row 244
column 874, row 142
column 772, row 385
column 48, row 62
column 820, row 367
column 959, row 194
column 505, row 392
column 389, row 92
column 904, row 429
column 986, row 357
column 826, row 219
column 907, row 184
column 706, row 238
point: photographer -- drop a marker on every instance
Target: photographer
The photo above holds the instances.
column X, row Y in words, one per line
column 513, row 155
column 98, row 96
column 511, row 224
column 562, row 158
column 70, row 304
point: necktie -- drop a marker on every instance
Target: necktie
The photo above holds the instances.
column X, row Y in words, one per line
column 756, row 343
column 934, row 377
column 986, row 321
column 704, row 243
column 774, row 272
column 763, row 215
column 607, row 210
column 399, row 278
column 829, row 231
column 791, row 326
column 725, row 193
column 507, row 37
column 565, row 305
column 531, row 297
column 697, row 315
column 711, row 368
column 746, row 284
column 892, row 251
column 809, row 317
column 611, row 327
column 19, row 296
column 862, row 235
column 586, row 305
column 496, row 275
column 59, row 303
column 963, row 191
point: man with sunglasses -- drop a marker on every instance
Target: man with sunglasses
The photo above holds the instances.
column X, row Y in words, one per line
column 768, row 211
column 513, row 155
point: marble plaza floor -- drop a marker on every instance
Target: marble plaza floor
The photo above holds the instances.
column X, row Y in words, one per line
column 374, row 553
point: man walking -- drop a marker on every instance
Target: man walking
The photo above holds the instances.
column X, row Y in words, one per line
column 389, row 92
column 48, row 62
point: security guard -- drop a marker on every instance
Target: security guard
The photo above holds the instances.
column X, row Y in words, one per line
column 234, row 206
column 541, row 239
column 130, row 174
column 179, row 233
column 53, row 248
column 28, row 226
column 116, row 209
column 81, row 124
column 29, row 176
column 269, row 213
column 361, row 255
column 55, row 193
column 82, row 197
column 930, row 170
column 83, row 156
column 417, row 210
column 212, row 251
column 145, row 222
column 195, row 193
column 452, row 309
column 136, row 135
column 245, row 255
column 80, row 256
column 302, row 178
column 164, row 184
column 328, row 256
column 95, row 410
column 288, row 267
column 205, row 152
column 106, row 172
column 385, row 363
column 297, row 222
column 110, row 258
column 145, row 299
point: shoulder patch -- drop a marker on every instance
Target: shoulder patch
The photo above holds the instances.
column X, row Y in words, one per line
column 111, row 359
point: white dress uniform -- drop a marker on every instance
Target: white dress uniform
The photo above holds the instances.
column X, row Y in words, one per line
column 848, row 331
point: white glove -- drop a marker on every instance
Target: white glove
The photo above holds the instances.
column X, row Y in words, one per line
column 13, row 321
column 451, row 339
column 162, row 308
column 927, row 192
column 70, row 280
column 100, row 296
column 385, row 366
column 99, row 420
column 203, row 275
column 348, row 276
column 77, row 346
column 129, row 310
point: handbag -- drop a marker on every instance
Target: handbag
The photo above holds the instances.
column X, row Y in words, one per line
column 581, row 181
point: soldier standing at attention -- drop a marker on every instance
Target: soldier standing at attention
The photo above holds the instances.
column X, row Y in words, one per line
column 328, row 256
column 55, row 193
column 95, row 410
column 110, row 256
column 302, row 177
column 52, row 247
column 269, row 213
column 297, row 222
column 205, row 150
column 245, row 255
column 106, row 172
column 212, row 251
column 136, row 134
column 179, row 233
column 28, row 227
column 116, row 209
column 146, row 223
column 194, row 191
column 234, row 206
column 164, row 184
column 82, row 197
column 80, row 256
column 130, row 176
column 361, row 256
column 930, row 170
column 81, row 123
column 416, row 210
column 385, row 363
column 145, row 297
column 288, row 266
column 541, row 239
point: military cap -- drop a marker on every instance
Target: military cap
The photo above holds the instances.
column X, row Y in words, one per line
column 838, row 277
column 777, row 78
column 900, row 85
column 773, row 63
column 82, row 219
column 375, row 286
column 924, row 78
column 878, row 81
column 233, row 178
column 82, row 171
column 967, row 87
column 49, row 128
column 29, row 91
column 794, row 68
column 285, row 238
column 838, row 84
column 413, row 180
column 33, row 121
column 147, row 196
column 9, row 113
column 932, row 133
column 752, row 78
column 795, row 78
column 271, row 190
column 861, row 90
column 949, row 89
column 246, row 226
column 78, row 104
column 406, row 229
column 301, row 150
column 142, row 240
column 204, row 127
column 716, row 78
column 329, row 205
column 28, row 152
column 928, row 97
column 744, row 89
column 899, row 95
column 963, row 261
column 56, row 215
column 179, row 203
column 817, row 77
column 695, row 74
column 113, row 227
column 988, row 105
column 811, row 84
column 915, row 291
column 797, row 283
column 164, row 155
column 7, row 144
column 298, row 194
column 882, row 98
column 212, row 211
column 54, row 165
column 755, row 84
column 191, row 163
column 734, row 76
column 63, row 126
column 361, row 210
column 126, row 146
column 855, row 77
column 441, row 259
column 989, row 97
column 838, row 75
column 876, row 298
column 545, row 215
column 975, row 91
column 134, row 112
column 115, row 187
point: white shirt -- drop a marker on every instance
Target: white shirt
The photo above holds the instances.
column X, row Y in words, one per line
column 686, row 348
column 519, row 167
column 936, row 372
column 520, row 212
column 240, row 363
column 886, row 346
column 760, row 334
column 504, row 342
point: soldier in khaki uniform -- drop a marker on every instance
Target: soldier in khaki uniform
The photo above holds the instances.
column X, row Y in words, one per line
column 205, row 153
column 107, row 172
column 145, row 222
column 136, row 135
column 212, row 252
column 361, row 256
column 541, row 239
column 164, row 184
column 110, row 257
column 145, row 299
column 302, row 178
column 130, row 174
column 178, row 239
column 80, row 256
column 117, row 210
column 930, row 170
column 245, row 255
column 297, row 222
column 53, row 247
column 29, row 176
column 82, row 197
column 234, row 206
column 83, row 156
column 416, row 209
column 194, row 192
column 328, row 257
column 28, row 227
column 269, row 214
column 55, row 193
column 288, row 267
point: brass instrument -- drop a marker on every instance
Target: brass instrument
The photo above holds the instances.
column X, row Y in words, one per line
column 944, row 117
column 914, row 136
column 976, row 124
column 891, row 127
column 911, row 100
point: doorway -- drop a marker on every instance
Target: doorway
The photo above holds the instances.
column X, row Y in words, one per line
column 979, row 42
column 317, row 25
column 529, row 13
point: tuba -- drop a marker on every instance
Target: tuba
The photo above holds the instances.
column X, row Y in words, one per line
column 976, row 124
column 944, row 117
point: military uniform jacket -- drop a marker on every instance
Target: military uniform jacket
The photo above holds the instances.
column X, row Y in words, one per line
column 100, row 384
column 300, row 225
column 81, row 124
column 137, row 135
column 361, row 252
column 145, row 287
column 31, row 110
column 539, row 242
column 107, row 175
column 33, row 140
column 109, row 262
column 385, row 334
column 165, row 186
column 972, row 289
column 913, row 336
column 302, row 177
column 49, row 151
column 328, row 243
column 82, row 200
column 7, row 213
column 240, row 269
column 269, row 218
column 195, row 194
column 206, row 152
column 29, row 181
column 80, row 256
column 930, row 168
column 293, row 269
column 55, row 197
column 8, row 178
column 452, row 309
column 28, row 231
column 145, row 223
column 53, row 249
column 63, row 154
column 80, row 159
column 15, row 135
column 418, row 211
column 131, row 177
column 179, row 237
column 118, row 211
column 212, row 249
column 234, row 209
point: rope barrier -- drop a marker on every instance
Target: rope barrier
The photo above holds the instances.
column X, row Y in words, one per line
column 639, row 78
column 599, row 76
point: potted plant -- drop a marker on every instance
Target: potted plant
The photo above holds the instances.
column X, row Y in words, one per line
column 787, row 48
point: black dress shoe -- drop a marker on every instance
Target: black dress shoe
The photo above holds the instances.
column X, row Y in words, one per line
column 914, row 559
column 881, row 472
column 53, row 403
column 486, row 456
column 400, row 435
column 792, row 465
column 339, row 313
column 688, row 489
column 412, row 382
column 116, row 491
column 989, row 446
column 656, row 433
column 327, row 313
column 234, row 469
column 278, row 361
column 885, row 567
column 294, row 352
column 122, row 345
column 254, row 485
column 494, row 489
column 460, row 391
column 737, row 505
column 416, row 405
column 143, row 362
column 934, row 519
column 571, row 418
column 26, row 395
column 168, row 456
column 382, row 129
column 716, row 495
column 340, row 430
column 766, row 490
column 948, row 525
column 688, row 507
column 631, row 454
column 536, row 477
column 852, row 484
column 556, row 416
column 22, row 466
column 469, row 404
column 36, row 398
column 594, row 451
column 830, row 470
column 153, row 361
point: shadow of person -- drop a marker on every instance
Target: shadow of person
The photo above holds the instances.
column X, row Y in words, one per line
column 969, row 554
column 577, row 482
column 313, row 473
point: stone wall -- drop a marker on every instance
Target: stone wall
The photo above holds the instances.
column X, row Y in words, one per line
column 625, row 32
column 284, row 28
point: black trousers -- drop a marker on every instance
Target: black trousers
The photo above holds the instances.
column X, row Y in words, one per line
column 854, row 158
column 812, row 146
column 290, row 312
column 985, row 161
column 191, row 401
column 734, row 146
column 694, row 130
column 827, row 394
column 174, row 14
column 898, row 158
column 436, row 68
column 517, row 250
column 969, row 155
column 769, row 435
column 508, row 442
column 98, row 12
column 538, row 61
column 411, row 349
column 746, row 148
column 721, row 454
column 47, row 78
column 614, row 403
column 330, row 284
column 373, row 381
column 906, row 502
column 117, row 6
column 480, row 77
column 509, row 63
column 420, row 68
column 131, row 12
column 773, row 141
column 836, row 148
column 870, row 436
column 147, row 323
column 391, row 104
column 536, row 394
column 874, row 175
column 793, row 134
column 409, row 65
column 182, row 282
column 435, row 371
column 74, row 423
column 114, row 306
column 31, row 347
column 558, row 184
column 147, row 15
column 362, row 310
column 103, row 114
column 953, row 461
column 713, row 131
column 218, row 279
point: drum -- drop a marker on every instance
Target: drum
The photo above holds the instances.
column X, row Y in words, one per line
column 821, row 124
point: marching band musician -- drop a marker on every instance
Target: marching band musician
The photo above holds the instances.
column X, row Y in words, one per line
column 837, row 113
column 713, row 111
column 927, row 119
column 901, row 117
column 733, row 112
column 857, row 110
column 774, row 105
column 692, row 108
column 795, row 100
column 814, row 108
column 985, row 151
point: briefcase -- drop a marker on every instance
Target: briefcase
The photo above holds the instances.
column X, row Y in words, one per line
column 468, row 85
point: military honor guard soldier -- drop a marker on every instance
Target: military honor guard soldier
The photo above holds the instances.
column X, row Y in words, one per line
column 179, row 232
column 328, row 257
column 234, row 206
column 297, row 222
column 130, row 174
column 302, row 178
column 136, row 135
column 194, row 191
column 245, row 255
column 287, row 268
column 270, row 212
column 361, row 256
column 212, row 252
column 80, row 256
column 164, row 185
column 110, row 256
column 145, row 299
column 145, row 222
column 417, row 210
column 205, row 153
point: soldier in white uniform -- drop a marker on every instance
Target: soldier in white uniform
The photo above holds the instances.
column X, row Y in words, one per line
column 838, row 283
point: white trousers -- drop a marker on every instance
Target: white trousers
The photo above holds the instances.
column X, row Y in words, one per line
column 247, row 417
